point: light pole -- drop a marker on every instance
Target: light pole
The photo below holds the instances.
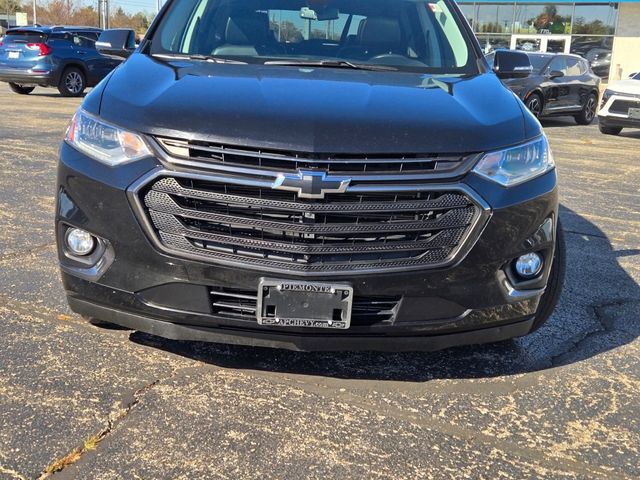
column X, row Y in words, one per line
column 35, row 13
column 103, row 11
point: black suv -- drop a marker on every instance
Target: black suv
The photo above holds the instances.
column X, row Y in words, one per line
column 560, row 84
column 348, row 176
column 62, row 57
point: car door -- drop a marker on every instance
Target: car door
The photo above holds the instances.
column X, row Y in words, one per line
column 98, row 65
column 84, row 50
column 554, row 88
column 575, row 81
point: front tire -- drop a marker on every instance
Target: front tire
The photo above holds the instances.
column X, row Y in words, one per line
column 20, row 90
column 72, row 83
column 534, row 104
column 588, row 113
column 551, row 295
column 610, row 130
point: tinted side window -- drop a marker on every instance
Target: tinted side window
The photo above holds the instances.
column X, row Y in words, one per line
column 584, row 67
column 573, row 67
column 59, row 39
column 84, row 40
column 558, row 64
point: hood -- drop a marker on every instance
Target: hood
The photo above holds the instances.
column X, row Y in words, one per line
column 321, row 110
column 626, row 86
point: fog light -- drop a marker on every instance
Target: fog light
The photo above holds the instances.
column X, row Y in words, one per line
column 80, row 242
column 529, row 265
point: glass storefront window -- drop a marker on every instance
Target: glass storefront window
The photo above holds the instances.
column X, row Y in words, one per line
column 494, row 18
column 489, row 43
column 595, row 19
column 597, row 51
column 543, row 19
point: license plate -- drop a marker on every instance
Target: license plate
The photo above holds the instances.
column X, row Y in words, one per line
column 291, row 303
column 634, row 113
column 14, row 54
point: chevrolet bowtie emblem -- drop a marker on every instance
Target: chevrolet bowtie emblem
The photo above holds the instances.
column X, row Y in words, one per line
column 311, row 184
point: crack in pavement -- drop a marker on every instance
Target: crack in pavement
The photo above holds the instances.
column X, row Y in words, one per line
column 335, row 393
column 536, row 456
column 59, row 467
column 606, row 326
column 12, row 473
column 574, row 232
column 29, row 251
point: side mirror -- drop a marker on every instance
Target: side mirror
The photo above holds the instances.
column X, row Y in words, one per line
column 555, row 74
column 511, row 64
column 117, row 43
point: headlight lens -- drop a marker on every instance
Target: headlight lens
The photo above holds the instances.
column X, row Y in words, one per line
column 104, row 142
column 605, row 97
column 517, row 164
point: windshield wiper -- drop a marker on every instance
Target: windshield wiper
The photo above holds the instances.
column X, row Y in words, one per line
column 332, row 64
column 204, row 58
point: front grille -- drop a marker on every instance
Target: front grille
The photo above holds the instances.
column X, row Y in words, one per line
column 274, row 230
column 209, row 155
column 241, row 305
column 622, row 107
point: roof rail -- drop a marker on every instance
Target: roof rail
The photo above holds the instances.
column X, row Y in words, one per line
column 73, row 27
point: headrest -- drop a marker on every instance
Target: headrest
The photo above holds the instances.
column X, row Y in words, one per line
column 380, row 31
column 248, row 29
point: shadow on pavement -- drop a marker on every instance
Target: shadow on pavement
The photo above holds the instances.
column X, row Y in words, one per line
column 597, row 313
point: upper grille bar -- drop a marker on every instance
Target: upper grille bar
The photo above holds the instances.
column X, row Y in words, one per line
column 172, row 186
column 196, row 154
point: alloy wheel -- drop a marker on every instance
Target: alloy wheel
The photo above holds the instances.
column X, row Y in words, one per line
column 590, row 109
column 73, row 82
column 534, row 105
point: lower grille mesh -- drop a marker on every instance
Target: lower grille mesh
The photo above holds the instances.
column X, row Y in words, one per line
column 276, row 230
column 622, row 106
column 241, row 305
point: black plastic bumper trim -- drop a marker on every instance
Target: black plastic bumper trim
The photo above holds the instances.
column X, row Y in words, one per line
column 299, row 342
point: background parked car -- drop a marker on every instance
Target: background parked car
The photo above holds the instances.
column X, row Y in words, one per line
column 560, row 84
column 62, row 57
column 620, row 106
column 600, row 61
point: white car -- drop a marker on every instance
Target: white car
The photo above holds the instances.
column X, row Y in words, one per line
column 620, row 106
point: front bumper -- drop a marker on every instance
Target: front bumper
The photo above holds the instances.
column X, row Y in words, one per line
column 138, row 286
column 612, row 115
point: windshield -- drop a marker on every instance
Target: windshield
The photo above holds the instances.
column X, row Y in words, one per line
column 636, row 76
column 404, row 34
column 25, row 37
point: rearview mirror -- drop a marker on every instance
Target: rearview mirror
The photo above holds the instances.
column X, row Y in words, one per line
column 328, row 13
column 116, row 43
column 511, row 64
column 556, row 74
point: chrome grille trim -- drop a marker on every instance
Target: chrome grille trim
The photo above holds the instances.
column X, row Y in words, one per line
column 235, row 251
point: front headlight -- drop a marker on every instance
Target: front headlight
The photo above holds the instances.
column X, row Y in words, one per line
column 517, row 164
column 605, row 97
column 104, row 142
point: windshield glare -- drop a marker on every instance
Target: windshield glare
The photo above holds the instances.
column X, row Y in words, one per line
column 414, row 35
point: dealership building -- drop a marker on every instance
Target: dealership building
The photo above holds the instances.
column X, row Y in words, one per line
column 606, row 34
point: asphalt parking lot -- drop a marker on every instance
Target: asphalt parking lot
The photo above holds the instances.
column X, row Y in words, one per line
column 91, row 403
